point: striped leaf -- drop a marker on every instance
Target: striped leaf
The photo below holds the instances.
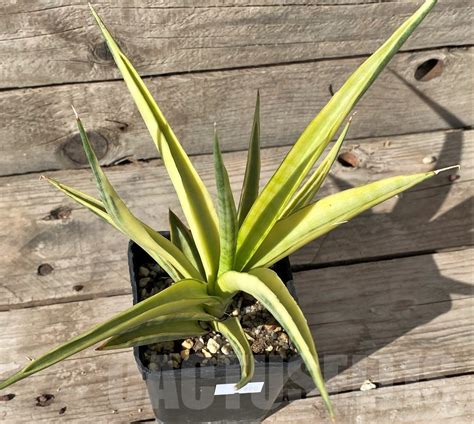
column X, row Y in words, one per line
column 154, row 332
column 265, row 286
column 97, row 207
column 271, row 202
column 193, row 195
column 157, row 246
column 251, row 182
column 226, row 211
column 233, row 332
column 182, row 238
column 310, row 222
column 307, row 192
column 177, row 298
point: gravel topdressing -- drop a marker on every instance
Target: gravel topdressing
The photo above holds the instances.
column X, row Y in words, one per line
column 266, row 337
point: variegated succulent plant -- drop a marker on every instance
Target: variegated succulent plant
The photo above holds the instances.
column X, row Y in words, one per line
column 230, row 250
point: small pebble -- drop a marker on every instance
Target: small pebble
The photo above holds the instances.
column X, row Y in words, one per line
column 198, row 345
column 213, row 346
column 185, row 354
column 175, row 357
column 187, row 344
column 62, row 411
column 78, row 287
column 143, row 271
column 453, row 177
column 249, row 337
column 429, row 159
column 144, row 281
column 226, row 349
column 206, row 353
column 367, row 385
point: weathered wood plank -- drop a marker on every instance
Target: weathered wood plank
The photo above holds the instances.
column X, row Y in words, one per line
column 390, row 321
column 87, row 252
column 110, row 390
column 447, row 401
column 37, row 130
column 375, row 316
column 51, row 42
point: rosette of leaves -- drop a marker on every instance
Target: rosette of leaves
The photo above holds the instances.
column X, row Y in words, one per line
column 222, row 252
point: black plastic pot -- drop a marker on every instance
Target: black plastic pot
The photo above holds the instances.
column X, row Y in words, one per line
column 203, row 394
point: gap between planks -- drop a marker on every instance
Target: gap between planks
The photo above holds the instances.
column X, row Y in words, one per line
column 433, row 217
column 46, row 135
column 218, row 36
column 420, row 342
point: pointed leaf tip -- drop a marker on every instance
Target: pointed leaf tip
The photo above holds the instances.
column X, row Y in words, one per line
column 438, row 171
column 75, row 112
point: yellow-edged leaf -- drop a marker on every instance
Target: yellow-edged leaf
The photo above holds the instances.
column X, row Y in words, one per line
column 309, row 189
column 182, row 238
column 157, row 246
column 269, row 205
column 265, row 286
column 193, row 195
column 226, row 211
column 179, row 297
column 312, row 221
column 251, row 182
column 154, row 332
column 233, row 332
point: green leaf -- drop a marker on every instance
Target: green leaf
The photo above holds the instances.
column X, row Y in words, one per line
column 312, row 221
column 306, row 193
column 157, row 246
column 93, row 204
column 97, row 207
column 182, row 238
column 271, row 202
column 251, row 182
column 177, row 298
column 153, row 332
column 233, row 332
column 193, row 195
column 265, row 286
column 226, row 210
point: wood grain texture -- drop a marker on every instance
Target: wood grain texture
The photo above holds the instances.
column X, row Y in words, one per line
column 395, row 321
column 446, row 401
column 37, row 129
column 86, row 251
column 56, row 41
column 92, row 394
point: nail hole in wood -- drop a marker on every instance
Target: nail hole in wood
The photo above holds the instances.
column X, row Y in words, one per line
column 45, row 269
column 348, row 160
column 429, row 69
column 72, row 148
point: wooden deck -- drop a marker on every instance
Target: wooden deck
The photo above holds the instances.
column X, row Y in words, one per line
column 389, row 296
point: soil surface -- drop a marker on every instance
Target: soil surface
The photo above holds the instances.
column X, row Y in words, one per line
column 266, row 337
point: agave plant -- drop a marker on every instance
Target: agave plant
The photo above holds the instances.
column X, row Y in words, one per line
column 230, row 251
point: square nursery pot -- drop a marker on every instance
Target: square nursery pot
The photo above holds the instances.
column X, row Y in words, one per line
column 205, row 394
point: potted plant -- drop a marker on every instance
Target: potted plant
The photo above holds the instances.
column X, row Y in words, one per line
column 226, row 256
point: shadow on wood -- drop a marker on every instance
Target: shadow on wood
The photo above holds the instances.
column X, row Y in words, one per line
column 401, row 305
